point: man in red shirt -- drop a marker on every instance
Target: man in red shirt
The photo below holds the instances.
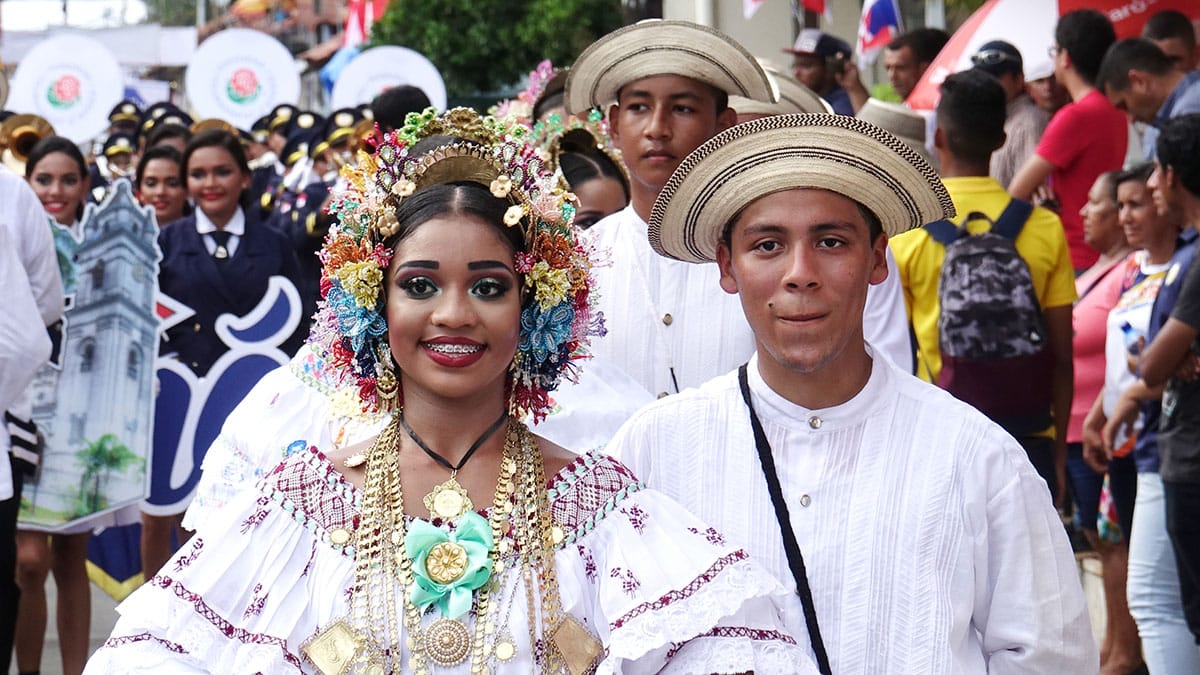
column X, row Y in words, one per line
column 1086, row 138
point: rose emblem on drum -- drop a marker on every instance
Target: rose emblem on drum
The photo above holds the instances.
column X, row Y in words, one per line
column 64, row 92
column 243, row 86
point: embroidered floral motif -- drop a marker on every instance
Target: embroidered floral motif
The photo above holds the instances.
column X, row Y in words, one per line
column 682, row 593
column 629, row 582
column 190, row 557
column 257, row 602
column 255, row 519
column 715, row 538
column 589, row 563
column 637, row 517
column 227, row 629
column 756, row 634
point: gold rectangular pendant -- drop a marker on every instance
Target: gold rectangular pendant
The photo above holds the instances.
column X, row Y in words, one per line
column 332, row 650
column 580, row 650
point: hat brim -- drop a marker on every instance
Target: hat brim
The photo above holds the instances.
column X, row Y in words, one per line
column 828, row 152
column 661, row 47
column 794, row 97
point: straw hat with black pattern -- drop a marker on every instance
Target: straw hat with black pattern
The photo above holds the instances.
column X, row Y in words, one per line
column 662, row 47
column 841, row 154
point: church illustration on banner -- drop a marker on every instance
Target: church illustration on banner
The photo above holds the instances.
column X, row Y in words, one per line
column 95, row 405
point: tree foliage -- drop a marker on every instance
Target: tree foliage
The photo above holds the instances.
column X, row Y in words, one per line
column 484, row 45
column 171, row 12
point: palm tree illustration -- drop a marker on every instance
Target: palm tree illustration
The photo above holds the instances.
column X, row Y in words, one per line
column 99, row 459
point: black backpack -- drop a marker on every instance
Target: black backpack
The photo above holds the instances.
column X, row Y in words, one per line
column 991, row 331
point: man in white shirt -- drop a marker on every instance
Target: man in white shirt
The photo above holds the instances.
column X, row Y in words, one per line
column 33, row 300
column 665, row 85
column 921, row 539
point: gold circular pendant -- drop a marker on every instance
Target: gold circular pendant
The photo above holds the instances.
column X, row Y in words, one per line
column 448, row 504
column 446, row 562
column 505, row 650
column 448, row 501
column 447, row 642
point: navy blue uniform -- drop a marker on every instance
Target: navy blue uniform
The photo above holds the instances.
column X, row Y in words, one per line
column 212, row 288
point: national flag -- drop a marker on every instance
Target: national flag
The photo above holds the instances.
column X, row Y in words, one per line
column 879, row 25
column 816, row 6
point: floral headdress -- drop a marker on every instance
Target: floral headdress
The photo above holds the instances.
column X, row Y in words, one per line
column 546, row 135
column 350, row 331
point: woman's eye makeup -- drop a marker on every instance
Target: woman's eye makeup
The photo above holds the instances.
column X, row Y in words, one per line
column 418, row 287
column 491, row 287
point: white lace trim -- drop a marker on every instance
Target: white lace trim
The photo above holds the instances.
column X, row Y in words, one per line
column 721, row 655
column 736, row 582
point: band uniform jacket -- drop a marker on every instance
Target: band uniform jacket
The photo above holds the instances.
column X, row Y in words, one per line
column 210, row 288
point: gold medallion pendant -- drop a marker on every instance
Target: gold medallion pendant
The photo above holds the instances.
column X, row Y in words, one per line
column 446, row 562
column 447, row 642
column 449, row 500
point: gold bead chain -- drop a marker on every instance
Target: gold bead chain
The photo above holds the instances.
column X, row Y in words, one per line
column 382, row 561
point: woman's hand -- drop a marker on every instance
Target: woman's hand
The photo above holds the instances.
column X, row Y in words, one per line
column 1124, row 414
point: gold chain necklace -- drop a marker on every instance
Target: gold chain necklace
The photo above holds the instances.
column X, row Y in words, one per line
column 520, row 507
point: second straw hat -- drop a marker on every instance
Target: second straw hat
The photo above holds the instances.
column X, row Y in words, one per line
column 841, row 154
column 661, row 47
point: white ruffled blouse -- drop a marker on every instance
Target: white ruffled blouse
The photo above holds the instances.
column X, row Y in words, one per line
column 262, row 577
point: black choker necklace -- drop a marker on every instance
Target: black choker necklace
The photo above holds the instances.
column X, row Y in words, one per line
column 449, row 500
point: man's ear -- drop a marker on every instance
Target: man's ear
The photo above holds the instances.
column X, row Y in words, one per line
column 1169, row 176
column 725, row 119
column 613, row 115
column 725, row 264
column 939, row 138
column 879, row 266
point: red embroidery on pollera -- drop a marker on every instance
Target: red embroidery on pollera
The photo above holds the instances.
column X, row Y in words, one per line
column 715, row 538
column 629, row 582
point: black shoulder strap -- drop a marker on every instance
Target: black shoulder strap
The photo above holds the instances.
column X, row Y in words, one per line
column 1012, row 219
column 943, row 232
column 790, row 546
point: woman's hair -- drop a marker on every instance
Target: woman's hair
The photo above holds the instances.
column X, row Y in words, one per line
column 579, row 167
column 164, row 132
column 1110, row 183
column 454, row 199
column 50, row 145
column 157, row 152
column 217, row 138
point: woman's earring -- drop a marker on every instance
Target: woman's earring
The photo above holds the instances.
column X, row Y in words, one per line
column 387, row 386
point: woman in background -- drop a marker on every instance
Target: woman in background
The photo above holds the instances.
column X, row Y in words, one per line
column 159, row 183
column 1099, row 288
column 56, row 170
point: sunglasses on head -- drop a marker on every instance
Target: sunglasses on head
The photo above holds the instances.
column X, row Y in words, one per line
column 992, row 57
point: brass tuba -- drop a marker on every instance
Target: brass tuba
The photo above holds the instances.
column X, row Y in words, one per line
column 18, row 135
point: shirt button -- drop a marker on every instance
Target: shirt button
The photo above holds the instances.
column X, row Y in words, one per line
column 668, row 319
column 805, row 500
column 814, row 422
column 196, row 327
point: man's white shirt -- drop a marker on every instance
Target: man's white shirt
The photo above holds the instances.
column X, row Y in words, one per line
column 930, row 541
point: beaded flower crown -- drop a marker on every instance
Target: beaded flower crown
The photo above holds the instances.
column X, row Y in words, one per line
column 557, row 321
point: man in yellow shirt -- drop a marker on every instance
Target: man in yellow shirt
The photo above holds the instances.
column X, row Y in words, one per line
column 970, row 128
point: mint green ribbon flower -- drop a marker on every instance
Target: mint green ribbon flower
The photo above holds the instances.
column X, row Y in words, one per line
column 449, row 566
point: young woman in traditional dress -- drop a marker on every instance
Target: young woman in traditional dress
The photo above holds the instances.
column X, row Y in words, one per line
column 456, row 297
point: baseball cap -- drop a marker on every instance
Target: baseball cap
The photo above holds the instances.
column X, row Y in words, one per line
column 820, row 43
column 997, row 58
